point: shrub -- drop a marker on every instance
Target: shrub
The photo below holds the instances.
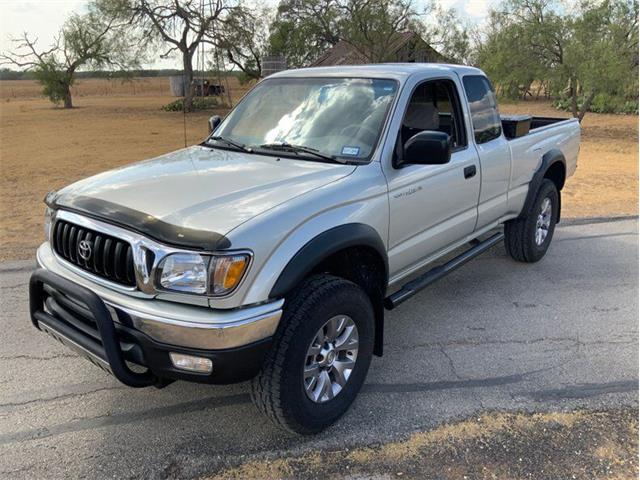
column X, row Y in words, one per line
column 602, row 103
column 199, row 103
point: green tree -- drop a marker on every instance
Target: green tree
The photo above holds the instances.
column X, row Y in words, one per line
column 515, row 66
column 580, row 53
column 369, row 25
column 602, row 57
column 84, row 41
column 244, row 39
column 304, row 29
column 446, row 32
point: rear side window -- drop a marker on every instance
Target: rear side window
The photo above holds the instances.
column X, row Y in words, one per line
column 484, row 108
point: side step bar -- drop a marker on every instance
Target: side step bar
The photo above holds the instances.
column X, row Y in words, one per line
column 436, row 273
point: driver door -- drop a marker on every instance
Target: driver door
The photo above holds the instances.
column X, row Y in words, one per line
column 432, row 206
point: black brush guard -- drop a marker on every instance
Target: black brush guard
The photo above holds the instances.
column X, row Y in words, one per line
column 78, row 318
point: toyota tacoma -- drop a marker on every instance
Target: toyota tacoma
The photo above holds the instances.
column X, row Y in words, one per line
column 270, row 251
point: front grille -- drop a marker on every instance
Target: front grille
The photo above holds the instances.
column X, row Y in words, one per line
column 109, row 257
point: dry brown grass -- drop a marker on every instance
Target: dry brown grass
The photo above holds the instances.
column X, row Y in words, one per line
column 25, row 89
column 44, row 148
column 606, row 182
column 140, row 86
column 494, row 445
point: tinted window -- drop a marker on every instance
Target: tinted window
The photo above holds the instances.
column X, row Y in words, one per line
column 484, row 108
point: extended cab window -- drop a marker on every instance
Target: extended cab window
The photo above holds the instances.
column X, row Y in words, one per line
column 484, row 108
column 434, row 105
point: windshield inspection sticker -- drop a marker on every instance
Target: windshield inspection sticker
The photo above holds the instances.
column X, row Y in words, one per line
column 350, row 150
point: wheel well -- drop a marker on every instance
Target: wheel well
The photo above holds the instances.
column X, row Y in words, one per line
column 363, row 266
column 557, row 174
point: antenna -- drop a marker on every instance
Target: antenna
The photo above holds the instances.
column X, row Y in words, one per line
column 184, row 109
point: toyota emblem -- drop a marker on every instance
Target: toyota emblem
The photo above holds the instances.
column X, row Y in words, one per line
column 84, row 250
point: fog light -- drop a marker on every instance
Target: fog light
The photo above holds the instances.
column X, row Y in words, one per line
column 191, row 363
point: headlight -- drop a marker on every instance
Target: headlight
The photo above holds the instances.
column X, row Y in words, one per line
column 184, row 272
column 202, row 274
column 48, row 215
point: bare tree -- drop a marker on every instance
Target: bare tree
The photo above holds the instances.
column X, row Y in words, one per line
column 87, row 40
column 183, row 25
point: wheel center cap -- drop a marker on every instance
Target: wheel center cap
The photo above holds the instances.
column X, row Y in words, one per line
column 331, row 357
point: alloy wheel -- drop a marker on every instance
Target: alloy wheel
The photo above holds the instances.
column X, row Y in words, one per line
column 331, row 358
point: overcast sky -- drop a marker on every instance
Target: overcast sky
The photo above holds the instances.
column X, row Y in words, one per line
column 43, row 18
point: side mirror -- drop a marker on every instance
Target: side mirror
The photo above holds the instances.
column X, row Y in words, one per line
column 428, row 147
column 214, row 122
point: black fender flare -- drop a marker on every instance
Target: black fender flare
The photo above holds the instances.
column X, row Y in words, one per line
column 323, row 246
column 550, row 158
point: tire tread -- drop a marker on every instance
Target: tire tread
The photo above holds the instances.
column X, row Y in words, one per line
column 266, row 390
column 519, row 232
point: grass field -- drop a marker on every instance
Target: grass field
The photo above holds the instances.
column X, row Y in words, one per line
column 44, row 148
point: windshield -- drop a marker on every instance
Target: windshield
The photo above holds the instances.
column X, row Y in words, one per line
column 339, row 117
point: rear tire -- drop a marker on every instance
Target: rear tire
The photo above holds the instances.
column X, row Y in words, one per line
column 527, row 238
column 283, row 388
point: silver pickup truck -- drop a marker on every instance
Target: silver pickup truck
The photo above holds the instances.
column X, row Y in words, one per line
column 271, row 250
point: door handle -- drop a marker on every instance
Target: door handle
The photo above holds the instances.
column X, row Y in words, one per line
column 470, row 171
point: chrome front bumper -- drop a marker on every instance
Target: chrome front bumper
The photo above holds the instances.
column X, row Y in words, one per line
column 174, row 323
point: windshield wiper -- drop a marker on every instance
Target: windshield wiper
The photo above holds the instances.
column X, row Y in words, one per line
column 231, row 143
column 287, row 147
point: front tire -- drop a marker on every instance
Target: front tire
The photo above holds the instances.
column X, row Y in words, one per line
column 527, row 239
column 320, row 355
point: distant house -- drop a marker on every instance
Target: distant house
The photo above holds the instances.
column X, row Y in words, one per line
column 405, row 47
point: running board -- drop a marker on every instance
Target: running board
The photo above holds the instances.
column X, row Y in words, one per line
column 436, row 273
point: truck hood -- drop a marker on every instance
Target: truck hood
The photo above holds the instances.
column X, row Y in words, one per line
column 197, row 189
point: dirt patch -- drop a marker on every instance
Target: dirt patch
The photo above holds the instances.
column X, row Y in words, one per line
column 606, row 182
column 581, row 444
column 43, row 148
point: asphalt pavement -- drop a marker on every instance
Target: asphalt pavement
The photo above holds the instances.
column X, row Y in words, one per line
column 493, row 336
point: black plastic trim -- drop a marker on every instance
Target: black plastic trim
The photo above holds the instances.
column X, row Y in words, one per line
column 322, row 247
column 72, row 311
column 548, row 159
column 108, row 349
column 436, row 273
column 231, row 365
column 143, row 223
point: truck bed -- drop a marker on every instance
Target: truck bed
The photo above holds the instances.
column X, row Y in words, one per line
column 538, row 122
column 546, row 134
column 516, row 126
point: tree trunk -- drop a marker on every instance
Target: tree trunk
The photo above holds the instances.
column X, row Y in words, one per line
column 574, row 100
column 187, row 57
column 68, row 103
column 585, row 106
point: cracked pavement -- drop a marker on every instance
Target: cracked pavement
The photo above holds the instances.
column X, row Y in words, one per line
column 495, row 335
